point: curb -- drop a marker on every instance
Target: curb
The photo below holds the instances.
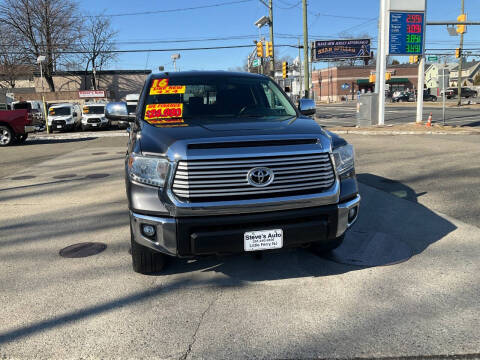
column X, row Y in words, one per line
column 76, row 136
column 375, row 133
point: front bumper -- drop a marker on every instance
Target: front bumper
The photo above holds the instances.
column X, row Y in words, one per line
column 191, row 236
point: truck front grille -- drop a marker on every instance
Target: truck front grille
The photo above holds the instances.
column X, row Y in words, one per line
column 226, row 179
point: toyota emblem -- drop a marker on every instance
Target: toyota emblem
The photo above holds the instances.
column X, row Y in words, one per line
column 260, row 177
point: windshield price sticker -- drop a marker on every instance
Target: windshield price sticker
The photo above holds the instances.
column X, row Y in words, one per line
column 160, row 87
column 167, row 122
column 163, row 111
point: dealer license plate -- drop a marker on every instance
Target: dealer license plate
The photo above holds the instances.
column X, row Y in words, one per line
column 94, row 124
column 263, row 240
column 59, row 126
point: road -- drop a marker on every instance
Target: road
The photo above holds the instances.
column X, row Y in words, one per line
column 345, row 115
column 288, row 304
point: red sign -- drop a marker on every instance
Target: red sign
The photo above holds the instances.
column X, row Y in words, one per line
column 163, row 111
column 91, row 94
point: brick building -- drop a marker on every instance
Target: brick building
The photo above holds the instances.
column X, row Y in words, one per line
column 327, row 83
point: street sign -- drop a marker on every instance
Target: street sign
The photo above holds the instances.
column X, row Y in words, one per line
column 432, row 58
column 407, row 31
column 341, row 49
column 256, row 62
column 345, row 86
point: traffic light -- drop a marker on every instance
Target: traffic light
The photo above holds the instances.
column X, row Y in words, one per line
column 372, row 78
column 285, row 69
column 462, row 29
column 388, row 76
column 458, row 53
column 259, row 49
column 269, row 49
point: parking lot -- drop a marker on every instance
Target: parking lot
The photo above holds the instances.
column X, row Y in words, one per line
column 414, row 290
column 346, row 114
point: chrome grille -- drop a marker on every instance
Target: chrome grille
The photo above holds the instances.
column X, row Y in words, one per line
column 226, row 179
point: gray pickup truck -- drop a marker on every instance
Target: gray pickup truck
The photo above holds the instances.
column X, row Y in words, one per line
column 222, row 163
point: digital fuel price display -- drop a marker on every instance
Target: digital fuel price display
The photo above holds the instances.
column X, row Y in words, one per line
column 406, row 33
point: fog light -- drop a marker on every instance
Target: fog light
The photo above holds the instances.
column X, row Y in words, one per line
column 352, row 214
column 148, row 230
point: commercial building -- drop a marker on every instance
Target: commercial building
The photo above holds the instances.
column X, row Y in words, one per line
column 72, row 85
column 340, row 83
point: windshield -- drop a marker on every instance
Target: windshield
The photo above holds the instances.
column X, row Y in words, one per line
column 215, row 98
column 94, row 109
column 132, row 109
column 22, row 105
column 60, row 111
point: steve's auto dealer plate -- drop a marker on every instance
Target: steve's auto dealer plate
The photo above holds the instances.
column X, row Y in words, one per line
column 263, row 240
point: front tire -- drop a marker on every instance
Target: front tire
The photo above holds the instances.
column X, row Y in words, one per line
column 146, row 261
column 6, row 136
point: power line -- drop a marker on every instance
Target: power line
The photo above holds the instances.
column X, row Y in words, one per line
column 152, row 12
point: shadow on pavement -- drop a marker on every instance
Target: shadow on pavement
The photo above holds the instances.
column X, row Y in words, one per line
column 389, row 230
column 380, row 212
column 55, row 141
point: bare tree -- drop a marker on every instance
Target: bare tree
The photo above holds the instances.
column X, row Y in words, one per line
column 13, row 64
column 97, row 41
column 43, row 27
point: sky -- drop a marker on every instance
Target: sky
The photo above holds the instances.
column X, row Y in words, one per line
column 161, row 25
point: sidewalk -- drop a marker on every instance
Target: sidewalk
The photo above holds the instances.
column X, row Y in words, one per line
column 407, row 129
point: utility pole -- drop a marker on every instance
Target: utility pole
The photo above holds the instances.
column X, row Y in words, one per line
column 460, row 64
column 305, row 50
column 383, row 62
column 300, row 68
column 377, row 78
column 272, row 59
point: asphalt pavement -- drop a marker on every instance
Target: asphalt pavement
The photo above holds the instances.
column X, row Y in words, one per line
column 286, row 304
column 346, row 114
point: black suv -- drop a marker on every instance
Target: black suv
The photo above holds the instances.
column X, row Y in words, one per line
column 222, row 163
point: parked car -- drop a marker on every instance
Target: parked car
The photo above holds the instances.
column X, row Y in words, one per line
column 93, row 116
column 452, row 92
column 35, row 109
column 64, row 116
column 403, row 96
column 221, row 163
column 132, row 102
column 427, row 96
column 15, row 125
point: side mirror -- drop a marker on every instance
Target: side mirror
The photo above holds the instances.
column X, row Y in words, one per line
column 118, row 111
column 75, row 114
column 307, row 107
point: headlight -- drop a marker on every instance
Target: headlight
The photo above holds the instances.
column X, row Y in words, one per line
column 344, row 157
column 147, row 170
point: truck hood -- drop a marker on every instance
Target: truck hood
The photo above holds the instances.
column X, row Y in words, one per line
column 158, row 139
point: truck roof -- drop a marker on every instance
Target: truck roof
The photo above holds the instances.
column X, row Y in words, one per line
column 219, row 73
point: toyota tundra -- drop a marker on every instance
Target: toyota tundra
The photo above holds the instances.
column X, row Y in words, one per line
column 222, row 163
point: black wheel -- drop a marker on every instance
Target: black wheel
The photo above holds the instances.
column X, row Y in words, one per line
column 6, row 136
column 325, row 247
column 22, row 138
column 146, row 261
column 84, row 128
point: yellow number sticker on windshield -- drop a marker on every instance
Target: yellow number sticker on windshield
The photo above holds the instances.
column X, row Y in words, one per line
column 163, row 111
column 160, row 87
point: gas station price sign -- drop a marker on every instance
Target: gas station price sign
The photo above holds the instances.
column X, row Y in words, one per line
column 407, row 33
